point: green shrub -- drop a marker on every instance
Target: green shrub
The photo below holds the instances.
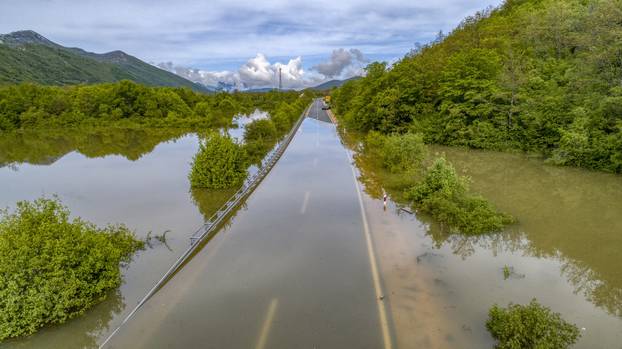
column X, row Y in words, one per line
column 444, row 195
column 220, row 163
column 530, row 326
column 53, row 269
column 398, row 152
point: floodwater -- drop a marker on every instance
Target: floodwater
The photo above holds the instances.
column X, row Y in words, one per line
column 565, row 252
column 292, row 267
column 135, row 177
column 290, row 271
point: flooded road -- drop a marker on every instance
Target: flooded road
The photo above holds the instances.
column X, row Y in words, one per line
column 292, row 269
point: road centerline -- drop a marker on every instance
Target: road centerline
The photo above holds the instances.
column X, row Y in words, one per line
column 267, row 324
column 305, row 202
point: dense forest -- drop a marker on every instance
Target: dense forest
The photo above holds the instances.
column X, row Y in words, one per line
column 126, row 103
column 534, row 75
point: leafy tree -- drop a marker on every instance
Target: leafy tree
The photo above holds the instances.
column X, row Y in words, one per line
column 398, row 152
column 512, row 77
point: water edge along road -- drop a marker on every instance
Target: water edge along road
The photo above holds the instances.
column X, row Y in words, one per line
column 294, row 268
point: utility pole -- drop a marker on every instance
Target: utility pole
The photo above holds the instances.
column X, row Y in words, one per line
column 280, row 81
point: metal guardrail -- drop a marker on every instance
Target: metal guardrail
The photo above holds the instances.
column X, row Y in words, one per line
column 249, row 184
column 217, row 218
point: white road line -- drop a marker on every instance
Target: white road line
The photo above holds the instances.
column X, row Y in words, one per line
column 382, row 313
column 305, row 201
column 267, row 324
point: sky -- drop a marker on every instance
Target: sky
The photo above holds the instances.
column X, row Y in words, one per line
column 244, row 42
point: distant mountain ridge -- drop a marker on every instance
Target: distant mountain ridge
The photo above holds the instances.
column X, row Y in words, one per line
column 26, row 56
column 333, row 83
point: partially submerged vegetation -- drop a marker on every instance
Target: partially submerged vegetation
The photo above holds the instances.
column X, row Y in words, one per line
column 53, row 268
column 436, row 189
column 397, row 152
column 539, row 76
column 444, row 194
column 28, row 106
column 220, row 163
column 530, row 326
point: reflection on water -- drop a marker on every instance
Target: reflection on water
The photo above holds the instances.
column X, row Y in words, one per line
column 210, row 200
column 241, row 120
column 80, row 332
column 135, row 177
column 44, row 147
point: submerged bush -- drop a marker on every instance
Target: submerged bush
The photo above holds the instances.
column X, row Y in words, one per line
column 444, row 194
column 398, row 152
column 53, row 268
column 530, row 326
column 220, row 163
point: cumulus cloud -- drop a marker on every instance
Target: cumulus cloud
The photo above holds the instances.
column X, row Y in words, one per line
column 340, row 60
column 257, row 72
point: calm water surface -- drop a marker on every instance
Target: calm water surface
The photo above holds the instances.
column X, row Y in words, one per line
column 135, row 177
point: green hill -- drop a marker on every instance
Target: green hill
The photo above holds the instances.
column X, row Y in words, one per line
column 26, row 56
column 536, row 75
column 332, row 83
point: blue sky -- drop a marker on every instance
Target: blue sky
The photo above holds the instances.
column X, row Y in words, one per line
column 237, row 40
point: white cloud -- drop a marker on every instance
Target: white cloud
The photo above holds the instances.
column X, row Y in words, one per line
column 260, row 72
column 212, row 34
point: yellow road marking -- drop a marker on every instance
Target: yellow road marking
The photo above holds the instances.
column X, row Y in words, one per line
column 267, row 324
column 382, row 313
column 305, row 201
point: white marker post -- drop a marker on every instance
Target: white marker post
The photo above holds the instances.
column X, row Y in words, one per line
column 384, row 199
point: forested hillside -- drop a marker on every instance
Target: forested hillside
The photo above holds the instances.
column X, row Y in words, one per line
column 535, row 75
column 26, row 56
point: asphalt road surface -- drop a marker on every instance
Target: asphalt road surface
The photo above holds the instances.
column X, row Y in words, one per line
column 295, row 267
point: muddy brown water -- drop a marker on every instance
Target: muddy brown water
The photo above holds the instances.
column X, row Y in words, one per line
column 565, row 252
